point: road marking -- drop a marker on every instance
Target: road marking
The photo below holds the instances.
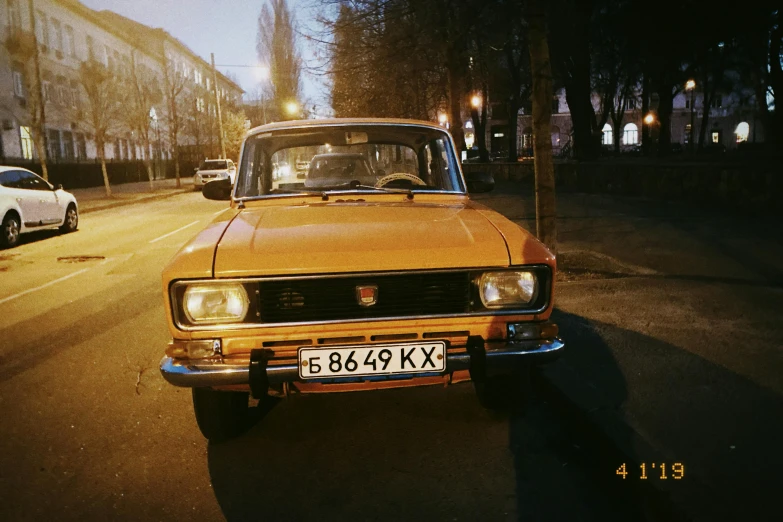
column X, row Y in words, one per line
column 50, row 283
column 164, row 236
column 221, row 211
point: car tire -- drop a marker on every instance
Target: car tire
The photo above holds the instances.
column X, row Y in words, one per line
column 221, row 415
column 71, row 221
column 505, row 393
column 9, row 237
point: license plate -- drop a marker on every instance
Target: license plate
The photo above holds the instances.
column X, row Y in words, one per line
column 367, row 360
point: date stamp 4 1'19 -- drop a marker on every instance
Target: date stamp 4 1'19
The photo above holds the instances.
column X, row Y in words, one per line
column 652, row 471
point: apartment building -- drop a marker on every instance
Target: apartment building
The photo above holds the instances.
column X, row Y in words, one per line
column 68, row 33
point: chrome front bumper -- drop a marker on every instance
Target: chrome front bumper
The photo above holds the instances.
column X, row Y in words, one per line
column 503, row 359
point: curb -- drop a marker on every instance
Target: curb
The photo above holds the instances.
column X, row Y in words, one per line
column 615, row 442
column 115, row 204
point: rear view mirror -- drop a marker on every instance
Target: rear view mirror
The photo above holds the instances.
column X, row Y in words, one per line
column 218, row 189
column 479, row 182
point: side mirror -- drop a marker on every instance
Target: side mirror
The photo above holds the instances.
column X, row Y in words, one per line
column 479, row 182
column 218, row 189
column 195, row 170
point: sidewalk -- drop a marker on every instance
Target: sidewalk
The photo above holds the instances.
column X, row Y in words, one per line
column 94, row 198
column 672, row 322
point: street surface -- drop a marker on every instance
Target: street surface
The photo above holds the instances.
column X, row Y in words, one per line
column 90, row 431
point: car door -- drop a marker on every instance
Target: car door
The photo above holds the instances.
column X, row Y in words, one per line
column 42, row 199
column 25, row 198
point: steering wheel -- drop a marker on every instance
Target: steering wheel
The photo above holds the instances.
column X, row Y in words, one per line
column 415, row 180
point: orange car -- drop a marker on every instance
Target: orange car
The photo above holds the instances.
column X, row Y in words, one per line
column 400, row 280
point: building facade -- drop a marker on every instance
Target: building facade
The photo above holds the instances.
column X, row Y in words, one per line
column 65, row 34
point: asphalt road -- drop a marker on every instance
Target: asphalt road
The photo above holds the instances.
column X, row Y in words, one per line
column 90, row 431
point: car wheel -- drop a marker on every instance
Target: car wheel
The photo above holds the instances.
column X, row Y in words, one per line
column 221, row 415
column 10, row 231
column 505, row 393
column 71, row 222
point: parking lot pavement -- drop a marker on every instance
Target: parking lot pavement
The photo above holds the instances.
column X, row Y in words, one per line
column 672, row 320
column 94, row 198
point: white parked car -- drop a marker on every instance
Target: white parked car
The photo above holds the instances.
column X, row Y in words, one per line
column 212, row 169
column 29, row 203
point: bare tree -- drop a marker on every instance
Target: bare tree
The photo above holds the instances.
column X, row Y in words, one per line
column 276, row 47
column 144, row 95
column 173, row 86
column 102, row 112
column 546, row 216
column 21, row 46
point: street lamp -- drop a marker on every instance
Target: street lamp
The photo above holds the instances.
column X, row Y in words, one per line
column 292, row 108
column 475, row 101
column 154, row 118
column 443, row 119
column 690, row 85
column 649, row 119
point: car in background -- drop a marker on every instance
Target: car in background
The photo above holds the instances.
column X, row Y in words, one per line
column 212, row 169
column 402, row 280
column 338, row 169
column 29, row 203
column 301, row 169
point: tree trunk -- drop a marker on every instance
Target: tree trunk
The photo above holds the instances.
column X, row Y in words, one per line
column 646, row 134
column 455, row 97
column 513, row 119
column 665, row 98
column 102, row 157
column 541, row 69
column 148, row 166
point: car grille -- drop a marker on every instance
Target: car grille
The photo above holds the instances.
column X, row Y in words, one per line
column 330, row 299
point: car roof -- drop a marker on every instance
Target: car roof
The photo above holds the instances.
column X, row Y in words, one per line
column 333, row 122
column 3, row 168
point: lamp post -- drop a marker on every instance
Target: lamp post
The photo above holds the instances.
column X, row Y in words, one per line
column 443, row 120
column 690, row 85
column 292, row 108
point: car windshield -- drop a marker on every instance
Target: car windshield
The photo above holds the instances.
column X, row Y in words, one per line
column 213, row 165
column 348, row 157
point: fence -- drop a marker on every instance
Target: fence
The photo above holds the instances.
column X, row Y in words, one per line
column 88, row 173
column 752, row 187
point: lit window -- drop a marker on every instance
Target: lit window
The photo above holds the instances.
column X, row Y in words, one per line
column 607, row 139
column 630, row 134
column 468, row 124
column 742, row 132
column 715, row 136
column 688, row 133
column 26, row 138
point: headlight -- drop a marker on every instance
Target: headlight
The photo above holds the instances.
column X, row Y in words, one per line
column 507, row 289
column 215, row 303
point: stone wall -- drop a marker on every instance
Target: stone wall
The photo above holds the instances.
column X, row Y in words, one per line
column 753, row 187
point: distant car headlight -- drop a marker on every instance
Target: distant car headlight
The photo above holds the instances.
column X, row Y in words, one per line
column 507, row 289
column 218, row 303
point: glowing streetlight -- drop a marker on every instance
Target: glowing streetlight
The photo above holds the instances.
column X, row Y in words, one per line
column 442, row 118
column 292, row 108
column 649, row 119
column 690, row 85
column 262, row 73
column 475, row 101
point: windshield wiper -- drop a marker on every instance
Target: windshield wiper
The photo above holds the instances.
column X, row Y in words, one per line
column 407, row 192
column 321, row 193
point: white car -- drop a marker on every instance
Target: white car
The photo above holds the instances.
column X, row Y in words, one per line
column 29, row 203
column 212, row 169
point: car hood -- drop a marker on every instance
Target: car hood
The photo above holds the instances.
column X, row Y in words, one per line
column 357, row 237
column 218, row 171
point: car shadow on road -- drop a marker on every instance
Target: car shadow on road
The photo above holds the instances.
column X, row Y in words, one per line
column 557, row 455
